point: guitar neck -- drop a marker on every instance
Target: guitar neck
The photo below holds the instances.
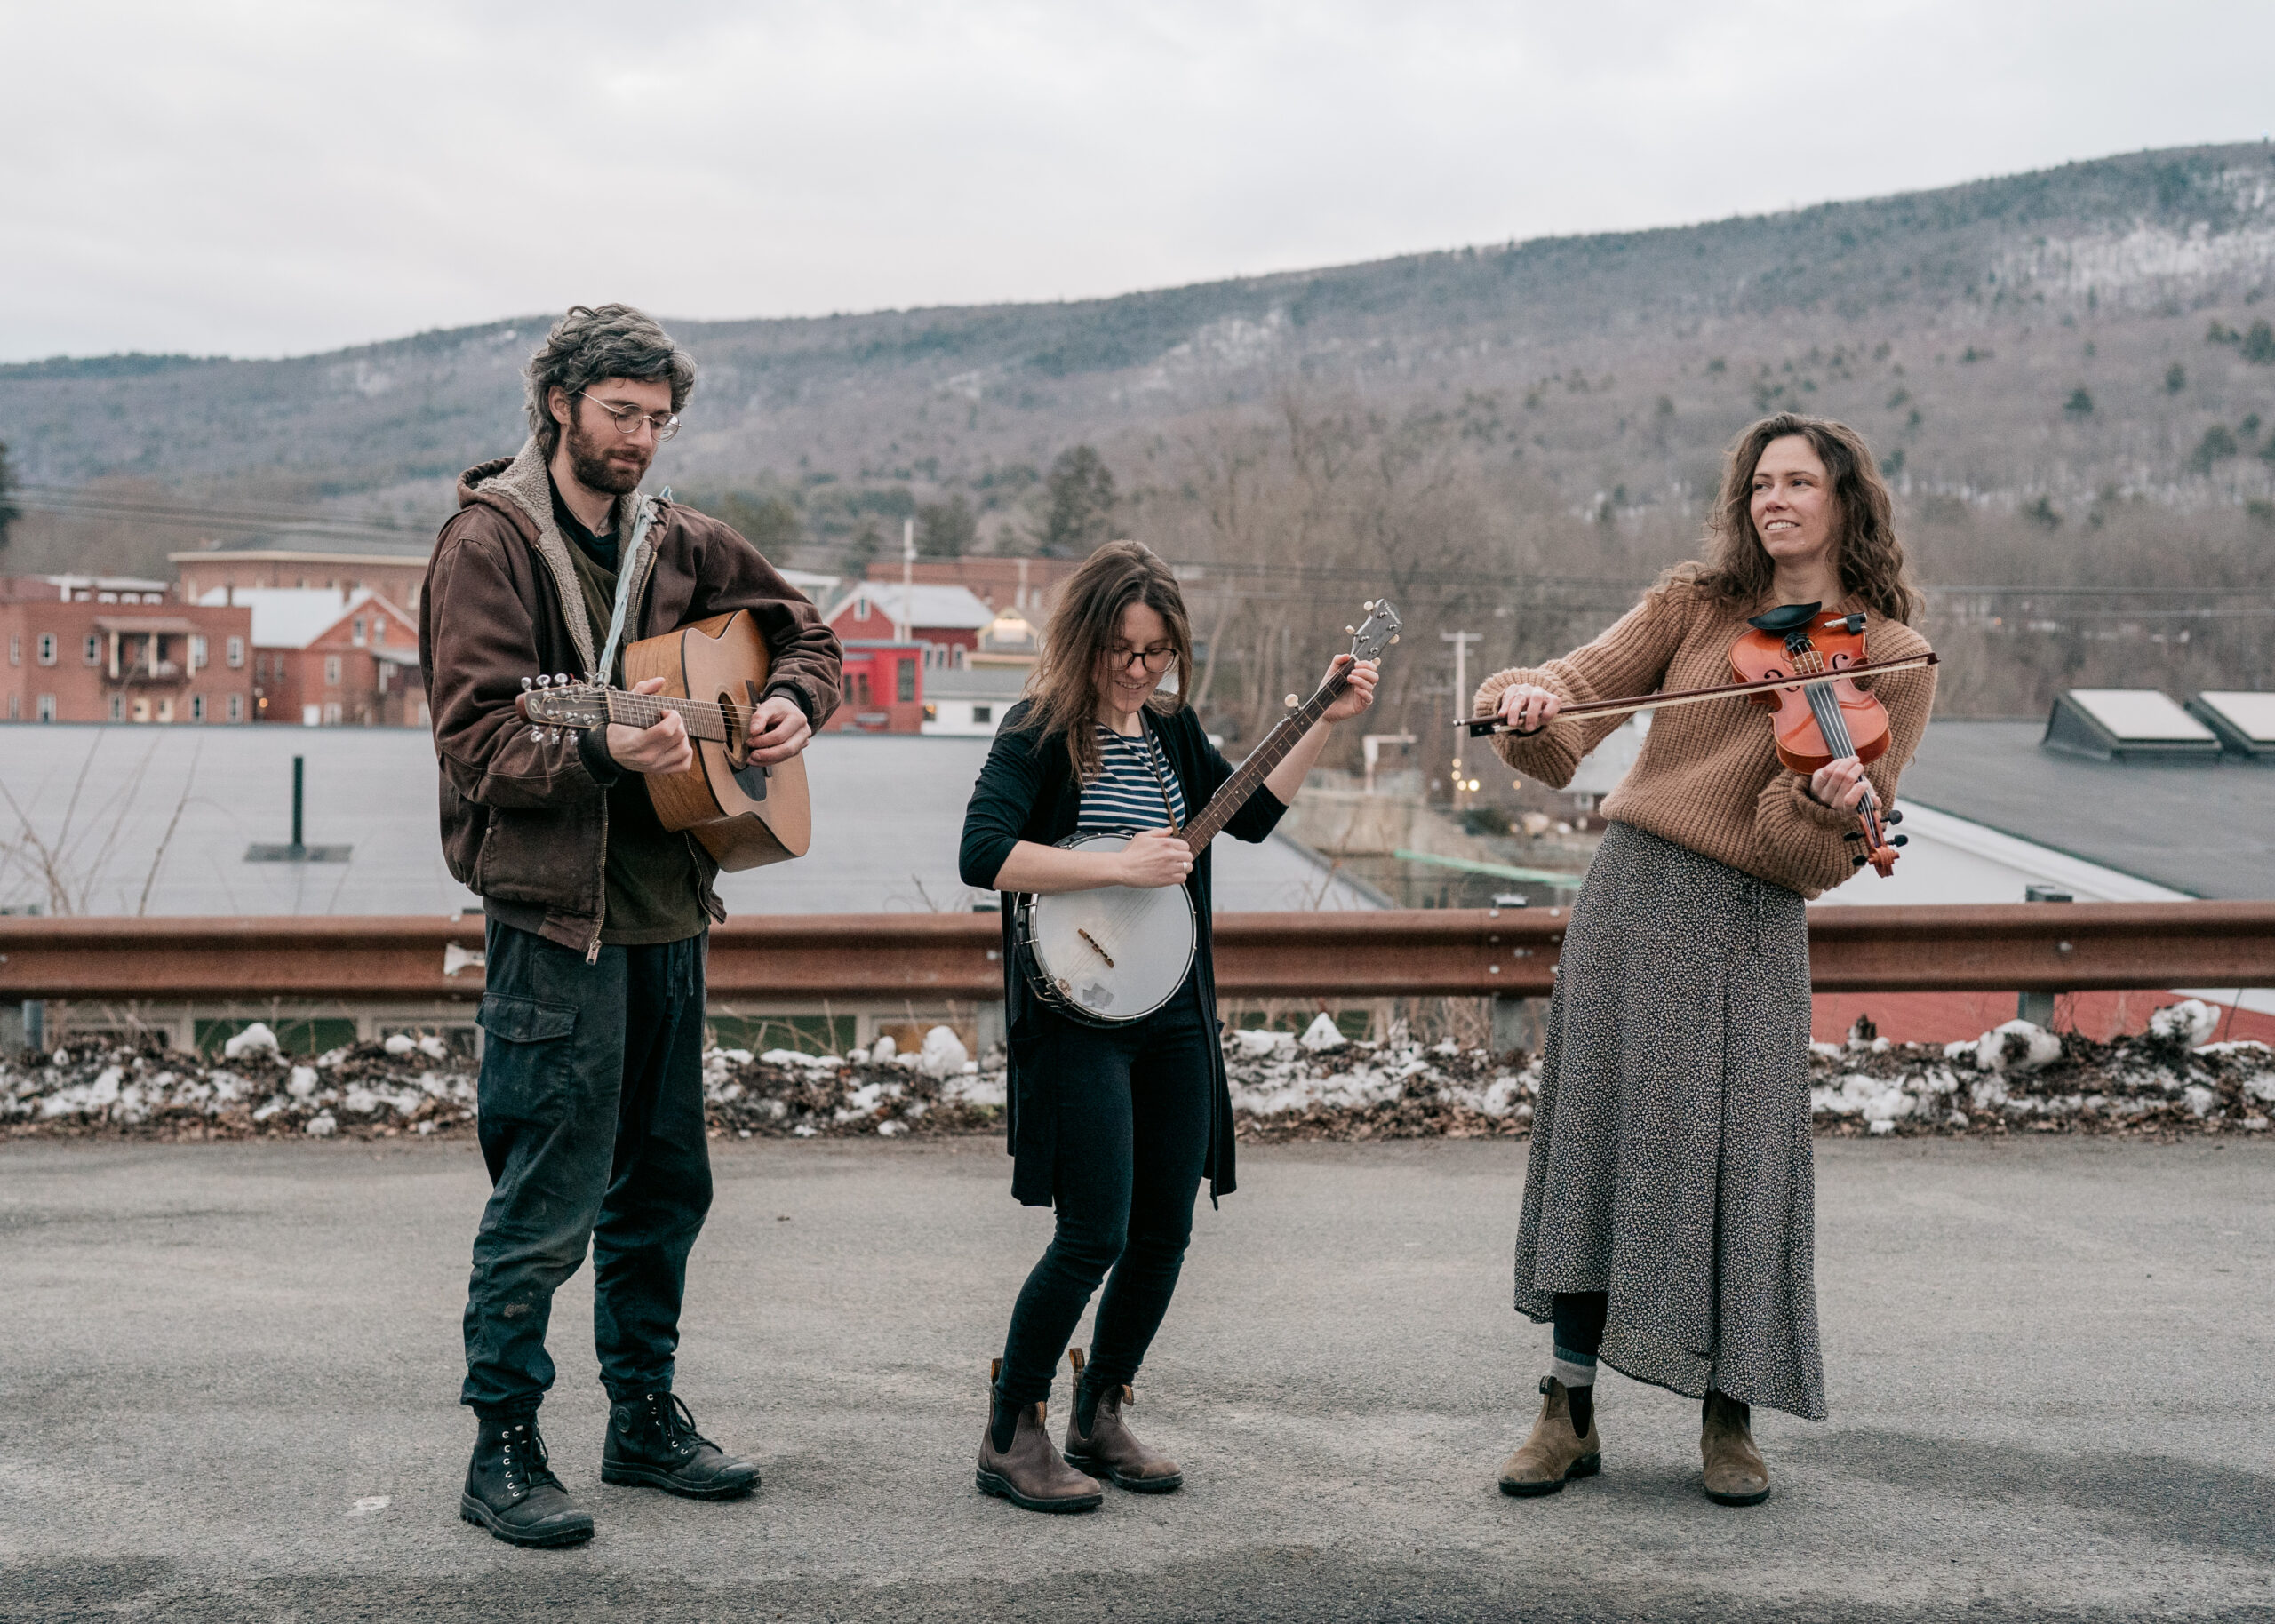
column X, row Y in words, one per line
column 1269, row 752
column 704, row 720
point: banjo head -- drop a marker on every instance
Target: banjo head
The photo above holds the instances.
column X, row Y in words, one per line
column 1112, row 955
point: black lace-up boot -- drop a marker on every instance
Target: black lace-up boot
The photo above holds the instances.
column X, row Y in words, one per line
column 511, row 1491
column 652, row 1442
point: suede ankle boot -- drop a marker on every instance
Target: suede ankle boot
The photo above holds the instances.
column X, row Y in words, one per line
column 1554, row 1455
column 513, row 1492
column 652, row 1443
column 1027, row 1471
column 1107, row 1447
column 1736, row 1473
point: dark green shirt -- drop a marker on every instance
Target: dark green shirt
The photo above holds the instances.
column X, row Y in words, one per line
column 654, row 893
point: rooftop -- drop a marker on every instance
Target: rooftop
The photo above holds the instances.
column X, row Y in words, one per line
column 291, row 616
column 888, row 812
column 955, row 608
column 2205, row 825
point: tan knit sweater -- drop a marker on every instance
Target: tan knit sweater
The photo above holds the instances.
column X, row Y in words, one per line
column 1708, row 777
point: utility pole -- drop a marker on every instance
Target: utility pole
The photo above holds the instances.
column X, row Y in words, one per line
column 1461, row 641
column 907, row 578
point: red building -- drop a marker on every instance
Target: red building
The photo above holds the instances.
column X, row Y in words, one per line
column 884, row 687
column 946, row 620
column 107, row 649
column 324, row 657
column 295, row 562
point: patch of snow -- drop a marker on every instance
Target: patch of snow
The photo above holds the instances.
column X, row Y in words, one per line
column 253, row 1040
column 943, row 1054
column 400, row 1043
column 324, row 1126
column 2191, row 1021
column 2017, row 1047
column 883, row 1049
column 1322, row 1035
column 302, row 1082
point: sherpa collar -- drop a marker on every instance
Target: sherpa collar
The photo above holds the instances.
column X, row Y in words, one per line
column 525, row 483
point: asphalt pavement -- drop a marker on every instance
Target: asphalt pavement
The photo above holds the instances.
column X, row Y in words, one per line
column 228, row 1378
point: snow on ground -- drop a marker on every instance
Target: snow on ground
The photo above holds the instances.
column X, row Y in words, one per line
column 2017, row 1078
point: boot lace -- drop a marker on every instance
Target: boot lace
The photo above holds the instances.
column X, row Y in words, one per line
column 675, row 1424
column 526, row 1464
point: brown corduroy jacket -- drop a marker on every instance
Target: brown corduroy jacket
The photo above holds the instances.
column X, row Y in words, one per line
column 525, row 823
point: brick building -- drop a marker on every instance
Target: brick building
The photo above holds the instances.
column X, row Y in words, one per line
column 110, row 649
column 324, row 657
column 309, row 562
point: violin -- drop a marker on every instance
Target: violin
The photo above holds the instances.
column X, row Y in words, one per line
column 1824, row 720
column 1803, row 667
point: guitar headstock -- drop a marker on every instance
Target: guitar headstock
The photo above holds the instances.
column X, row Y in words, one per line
column 1377, row 633
column 557, row 702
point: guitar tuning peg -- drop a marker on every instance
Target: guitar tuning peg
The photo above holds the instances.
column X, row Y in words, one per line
column 561, row 678
column 536, row 735
column 528, row 683
column 543, row 681
column 1900, row 839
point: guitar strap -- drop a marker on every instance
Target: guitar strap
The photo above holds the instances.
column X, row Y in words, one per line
column 627, row 572
column 1148, row 753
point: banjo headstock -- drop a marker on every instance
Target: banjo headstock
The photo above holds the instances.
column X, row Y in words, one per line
column 1377, row 633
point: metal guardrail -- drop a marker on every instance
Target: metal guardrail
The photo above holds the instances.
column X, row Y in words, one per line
column 2034, row 947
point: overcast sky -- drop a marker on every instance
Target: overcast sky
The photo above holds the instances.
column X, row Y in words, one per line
column 265, row 178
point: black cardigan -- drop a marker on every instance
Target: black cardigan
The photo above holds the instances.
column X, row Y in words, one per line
column 1027, row 792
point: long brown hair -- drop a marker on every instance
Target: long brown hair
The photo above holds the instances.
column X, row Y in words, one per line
column 1738, row 572
column 1064, row 685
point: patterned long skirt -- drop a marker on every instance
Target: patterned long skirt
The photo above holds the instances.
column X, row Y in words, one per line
column 1670, row 1162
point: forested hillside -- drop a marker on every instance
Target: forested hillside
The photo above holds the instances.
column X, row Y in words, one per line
column 2070, row 375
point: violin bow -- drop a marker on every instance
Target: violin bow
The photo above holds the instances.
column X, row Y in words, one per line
column 1481, row 727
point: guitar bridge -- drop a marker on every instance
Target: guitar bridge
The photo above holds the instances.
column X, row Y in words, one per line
column 1095, row 948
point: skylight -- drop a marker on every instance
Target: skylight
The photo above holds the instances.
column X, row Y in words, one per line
column 2252, row 716
column 2141, row 715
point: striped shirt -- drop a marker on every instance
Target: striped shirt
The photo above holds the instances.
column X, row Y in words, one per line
column 1125, row 797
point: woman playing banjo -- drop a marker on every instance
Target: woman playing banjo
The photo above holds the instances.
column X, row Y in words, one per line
column 1668, row 1227
column 1114, row 1125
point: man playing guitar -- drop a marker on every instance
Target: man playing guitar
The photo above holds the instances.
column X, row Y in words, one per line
column 591, row 1099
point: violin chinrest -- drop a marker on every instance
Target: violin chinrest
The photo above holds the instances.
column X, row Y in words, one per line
column 1785, row 617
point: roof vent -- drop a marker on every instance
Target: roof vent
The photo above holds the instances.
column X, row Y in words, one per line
column 2244, row 721
column 2122, row 724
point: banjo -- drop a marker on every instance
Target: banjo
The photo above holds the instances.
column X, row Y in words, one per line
column 1115, row 954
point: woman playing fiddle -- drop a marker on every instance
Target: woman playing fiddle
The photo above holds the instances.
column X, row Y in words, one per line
column 1668, row 1222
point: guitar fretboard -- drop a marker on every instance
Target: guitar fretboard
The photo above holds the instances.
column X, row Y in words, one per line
column 1269, row 752
column 705, row 720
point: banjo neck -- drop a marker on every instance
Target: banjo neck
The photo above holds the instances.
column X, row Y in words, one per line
column 1269, row 752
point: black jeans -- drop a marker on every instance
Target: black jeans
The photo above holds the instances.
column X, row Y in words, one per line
column 591, row 1103
column 1133, row 1134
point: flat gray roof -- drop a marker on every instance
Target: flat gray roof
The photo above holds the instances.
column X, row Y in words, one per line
column 888, row 813
column 2202, row 826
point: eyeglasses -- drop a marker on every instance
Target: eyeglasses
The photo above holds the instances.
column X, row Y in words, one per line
column 1154, row 660
column 629, row 419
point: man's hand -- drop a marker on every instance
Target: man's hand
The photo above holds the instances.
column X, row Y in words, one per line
column 662, row 748
column 779, row 731
column 1154, row 857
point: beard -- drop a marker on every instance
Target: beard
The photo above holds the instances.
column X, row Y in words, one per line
column 600, row 462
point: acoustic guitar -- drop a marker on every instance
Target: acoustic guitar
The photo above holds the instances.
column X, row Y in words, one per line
column 715, row 670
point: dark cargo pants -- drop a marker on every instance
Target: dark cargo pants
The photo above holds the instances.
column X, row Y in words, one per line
column 591, row 1102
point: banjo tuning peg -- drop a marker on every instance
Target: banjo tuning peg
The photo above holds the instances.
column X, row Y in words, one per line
column 1368, row 606
column 1350, row 631
column 1293, row 702
column 1393, row 637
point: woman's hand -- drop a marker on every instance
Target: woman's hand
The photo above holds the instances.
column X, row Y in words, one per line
column 1527, row 708
column 1361, row 692
column 1153, row 857
column 1839, row 784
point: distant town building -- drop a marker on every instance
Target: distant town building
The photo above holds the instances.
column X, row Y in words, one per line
column 325, row 658
column 310, row 561
column 116, row 649
column 1029, row 585
column 970, row 702
column 946, row 621
column 885, row 687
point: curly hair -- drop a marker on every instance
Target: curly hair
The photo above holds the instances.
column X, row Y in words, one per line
column 1739, row 573
column 590, row 344
column 1065, row 686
